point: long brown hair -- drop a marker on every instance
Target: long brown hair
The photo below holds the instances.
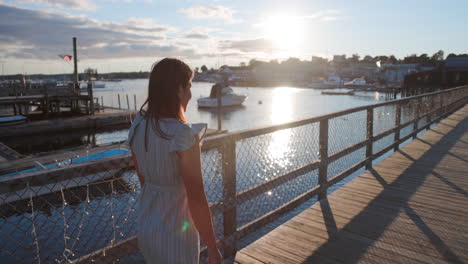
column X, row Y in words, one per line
column 165, row 80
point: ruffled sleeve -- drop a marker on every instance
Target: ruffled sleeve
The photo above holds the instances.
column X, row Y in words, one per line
column 133, row 127
column 183, row 138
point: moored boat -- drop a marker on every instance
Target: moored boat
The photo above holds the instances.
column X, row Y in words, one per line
column 55, row 187
column 12, row 120
column 357, row 83
column 228, row 97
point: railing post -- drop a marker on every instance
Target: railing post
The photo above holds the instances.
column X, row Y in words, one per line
column 370, row 136
column 429, row 115
column 397, row 124
column 416, row 117
column 441, row 105
column 323, row 155
column 229, row 194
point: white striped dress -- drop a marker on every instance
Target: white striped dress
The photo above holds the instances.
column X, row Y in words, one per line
column 166, row 233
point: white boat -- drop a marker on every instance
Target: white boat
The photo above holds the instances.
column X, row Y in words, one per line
column 333, row 81
column 357, row 82
column 228, row 98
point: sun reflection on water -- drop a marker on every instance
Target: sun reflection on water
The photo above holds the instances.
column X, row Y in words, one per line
column 281, row 112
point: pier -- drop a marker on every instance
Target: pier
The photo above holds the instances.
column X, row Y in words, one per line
column 402, row 207
column 410, row 208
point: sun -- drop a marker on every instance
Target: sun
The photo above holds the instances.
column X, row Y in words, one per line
column 287, row 33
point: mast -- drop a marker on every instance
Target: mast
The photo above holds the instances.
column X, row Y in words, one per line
column 75, row 61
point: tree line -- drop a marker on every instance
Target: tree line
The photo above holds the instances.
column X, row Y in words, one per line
column 424, row 59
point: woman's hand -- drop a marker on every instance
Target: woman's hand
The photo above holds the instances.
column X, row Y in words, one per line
column 214, row 256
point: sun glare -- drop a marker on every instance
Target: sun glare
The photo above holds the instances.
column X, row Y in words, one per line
column 287, row 32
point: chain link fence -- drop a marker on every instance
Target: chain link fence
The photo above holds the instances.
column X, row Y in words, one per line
column 85, row 212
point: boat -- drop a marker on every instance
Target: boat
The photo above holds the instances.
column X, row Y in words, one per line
column 357, row 83
column 333, row 81
column 228, row 97
column 55, row 187
column 12, row 120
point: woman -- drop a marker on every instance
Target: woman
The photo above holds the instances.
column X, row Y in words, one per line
column 172, row 209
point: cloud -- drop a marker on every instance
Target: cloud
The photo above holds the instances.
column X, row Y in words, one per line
column 32, row 34
column 196, row 36
column 69, row 4
column 248, row 45
column 327, row 15
column 200, row 33
column 210, row 12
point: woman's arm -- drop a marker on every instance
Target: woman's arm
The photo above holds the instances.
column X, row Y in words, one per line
column 190, row 167
column 135, row 163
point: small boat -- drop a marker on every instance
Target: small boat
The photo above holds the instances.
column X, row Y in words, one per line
column 55, row 187
column 82, row 159
column 357, row 83
column 228, row 97
column 333, row 81
column 12, row 120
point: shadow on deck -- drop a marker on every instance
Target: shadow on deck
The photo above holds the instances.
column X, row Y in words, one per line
column 410, row 208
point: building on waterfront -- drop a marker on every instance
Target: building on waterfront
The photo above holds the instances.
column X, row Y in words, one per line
column 455, row 71
column 450, row 73
column 395, row 73
column 290, row 72
column 364, row 69
column 235, row 74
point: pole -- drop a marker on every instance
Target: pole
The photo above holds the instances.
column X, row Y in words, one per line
column 128, row 103
column 90, row 96
column 75, row 65
column 74, row 103
column 134, row 101
column 218, row 95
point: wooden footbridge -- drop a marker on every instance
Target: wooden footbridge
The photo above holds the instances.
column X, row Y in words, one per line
column 410, row 208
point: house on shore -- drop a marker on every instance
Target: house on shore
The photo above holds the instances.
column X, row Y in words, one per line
column 450, row 73
column 455, row 71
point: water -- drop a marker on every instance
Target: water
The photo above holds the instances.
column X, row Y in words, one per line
column 263, row 107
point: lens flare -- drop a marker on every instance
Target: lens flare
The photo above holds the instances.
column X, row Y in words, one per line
column 185, row 225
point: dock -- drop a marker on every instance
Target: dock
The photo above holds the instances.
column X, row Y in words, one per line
column 410, row 208
column 98, row 120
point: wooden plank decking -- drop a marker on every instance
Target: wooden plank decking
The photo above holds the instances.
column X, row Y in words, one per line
column 410, row 208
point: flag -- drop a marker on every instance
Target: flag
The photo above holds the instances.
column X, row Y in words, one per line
column 66, row 57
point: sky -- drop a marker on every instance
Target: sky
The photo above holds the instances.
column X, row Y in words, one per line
column 130, row 35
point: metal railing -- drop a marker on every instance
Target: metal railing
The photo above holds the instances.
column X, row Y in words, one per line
column 85, row 212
